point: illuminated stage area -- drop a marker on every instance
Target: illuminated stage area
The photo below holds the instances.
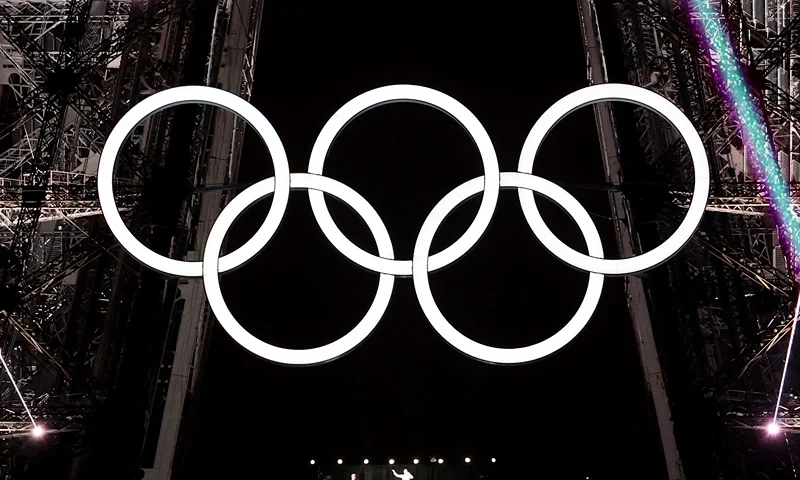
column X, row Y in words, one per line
column 431, row 468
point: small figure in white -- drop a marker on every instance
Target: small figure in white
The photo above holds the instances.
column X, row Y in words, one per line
column 405, row 476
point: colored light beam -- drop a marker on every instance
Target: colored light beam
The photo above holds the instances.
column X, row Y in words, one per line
column 746, row 111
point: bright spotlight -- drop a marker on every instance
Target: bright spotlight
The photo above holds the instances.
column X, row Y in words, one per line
column 441, row 461
column 433, row 459
column 366, row 461
column 391, row 461
column 416, row 461
column 313, row 462
column 773, row 429
column 494, row 460
column 37, row 431
column 339, row 461
column 467, row 460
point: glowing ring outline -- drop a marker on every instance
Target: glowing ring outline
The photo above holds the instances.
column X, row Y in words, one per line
column 478, row 350
column 316, row 355
column 424, row 96
column 183, row 95
column 644, row 98
column 172, row 98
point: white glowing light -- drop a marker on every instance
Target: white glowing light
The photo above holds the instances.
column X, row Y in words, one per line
column 506, row 355
column 339, row 461
column 773, row 429
column 467, row 460
column 384, row 263
column 644, row 98
column 313, row 462
column 366, row 461
column 37, row 431
column 425, row 96
column 416, row 461
column 441, row 461
column 391, row 461
column 172, row 98
column 333, row 350
column 494, row 460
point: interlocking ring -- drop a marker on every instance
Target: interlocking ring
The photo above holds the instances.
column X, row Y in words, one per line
column 172, row 98
column 422, row 263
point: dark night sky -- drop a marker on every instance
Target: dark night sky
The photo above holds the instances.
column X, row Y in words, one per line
column 404, row 391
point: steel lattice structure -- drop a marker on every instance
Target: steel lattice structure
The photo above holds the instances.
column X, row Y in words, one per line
column 723, row 322
column 85, row 330
column 68, row 70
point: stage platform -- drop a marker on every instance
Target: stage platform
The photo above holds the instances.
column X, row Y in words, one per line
column 384, row 472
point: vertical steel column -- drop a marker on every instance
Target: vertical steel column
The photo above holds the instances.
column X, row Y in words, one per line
column 623, row 227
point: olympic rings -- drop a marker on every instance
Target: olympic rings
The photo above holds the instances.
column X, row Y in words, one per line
column 421, row 263
column 172, row 98
column 426, row 96
column 702, row 178
column 478, row 350
column 284, row 355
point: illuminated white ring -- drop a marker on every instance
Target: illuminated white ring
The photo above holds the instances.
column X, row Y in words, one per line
column 421, row 262
column 702, row 178
column 425, row 96
column 180, row 96
column 287, row 356
column 478, row 350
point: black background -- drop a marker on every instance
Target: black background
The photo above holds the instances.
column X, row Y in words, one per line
column 404, row 392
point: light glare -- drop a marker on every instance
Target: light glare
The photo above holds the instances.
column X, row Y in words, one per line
column 773, row 429
column 366, row 461
column 441, row 461
column 416, row 461
column 38, row 431
column 313, row 462
column 339, row 461
column 467, row 460
column 391, row 461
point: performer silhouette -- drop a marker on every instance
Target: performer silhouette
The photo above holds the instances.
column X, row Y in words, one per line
column 405, row 476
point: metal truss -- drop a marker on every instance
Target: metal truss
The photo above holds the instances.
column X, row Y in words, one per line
column 739, row 198
column 691, row 91
column 736, row 295
column 68, row 70
column 751, row 410
column 69, row 196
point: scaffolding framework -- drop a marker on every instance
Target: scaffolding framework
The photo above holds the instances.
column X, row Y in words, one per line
column 76, row 312
column 69, row 69
column 723, row 307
